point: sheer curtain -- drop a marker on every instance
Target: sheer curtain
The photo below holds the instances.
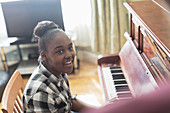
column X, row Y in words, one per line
column 109, row 23
column 99, row 24
column 77, row 20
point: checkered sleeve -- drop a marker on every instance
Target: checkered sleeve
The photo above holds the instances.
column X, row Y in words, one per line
column 44, row 102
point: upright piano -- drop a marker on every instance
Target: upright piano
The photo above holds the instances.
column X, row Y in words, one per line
column 143, row 64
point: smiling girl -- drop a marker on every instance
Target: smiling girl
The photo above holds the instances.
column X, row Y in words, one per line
column 48, row 89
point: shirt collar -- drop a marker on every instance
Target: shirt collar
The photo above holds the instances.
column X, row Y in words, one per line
column 48, row 74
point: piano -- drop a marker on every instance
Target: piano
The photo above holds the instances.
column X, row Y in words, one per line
column 143, row 64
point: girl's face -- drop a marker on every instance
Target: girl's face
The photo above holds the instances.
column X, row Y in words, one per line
column 60, row 55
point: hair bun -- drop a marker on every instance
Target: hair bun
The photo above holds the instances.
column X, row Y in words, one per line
column 44, row 26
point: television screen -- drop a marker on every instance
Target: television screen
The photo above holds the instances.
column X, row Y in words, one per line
column 22, row 16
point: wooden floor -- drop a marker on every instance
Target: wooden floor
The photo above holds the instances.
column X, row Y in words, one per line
column 85, row 83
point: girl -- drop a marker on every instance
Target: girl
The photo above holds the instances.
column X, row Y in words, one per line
column 47, row 89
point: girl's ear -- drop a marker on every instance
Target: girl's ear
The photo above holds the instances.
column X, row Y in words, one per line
column 43, row 56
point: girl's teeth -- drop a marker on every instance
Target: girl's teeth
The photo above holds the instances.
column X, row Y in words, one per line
column 68, row 62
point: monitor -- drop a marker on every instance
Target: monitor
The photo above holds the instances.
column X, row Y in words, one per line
column 22, row 16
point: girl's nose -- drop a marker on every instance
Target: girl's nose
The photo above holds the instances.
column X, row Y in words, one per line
column 69, row 54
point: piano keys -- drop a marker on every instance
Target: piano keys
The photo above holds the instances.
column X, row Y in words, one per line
column 143, row 64
column 116, row 83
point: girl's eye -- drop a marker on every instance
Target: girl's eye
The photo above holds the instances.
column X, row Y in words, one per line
column 71, row 48
column 60, row 51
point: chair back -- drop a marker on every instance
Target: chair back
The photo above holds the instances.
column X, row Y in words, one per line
column 12, row 95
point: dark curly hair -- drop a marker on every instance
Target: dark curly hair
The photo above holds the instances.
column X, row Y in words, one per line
column 45, row 31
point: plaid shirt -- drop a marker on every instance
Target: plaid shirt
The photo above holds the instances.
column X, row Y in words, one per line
column 46, row 93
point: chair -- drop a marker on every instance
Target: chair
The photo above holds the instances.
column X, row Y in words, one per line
column 12, row 96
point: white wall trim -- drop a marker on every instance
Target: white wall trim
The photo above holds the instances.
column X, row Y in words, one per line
column 87, row 56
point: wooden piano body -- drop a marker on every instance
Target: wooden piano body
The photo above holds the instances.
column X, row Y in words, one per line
column 145, row 58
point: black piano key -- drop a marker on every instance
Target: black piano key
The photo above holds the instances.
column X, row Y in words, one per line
column 118, row 76
column 122, row 88
column 116, row 71
column 120, row 82
column 115, row 67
